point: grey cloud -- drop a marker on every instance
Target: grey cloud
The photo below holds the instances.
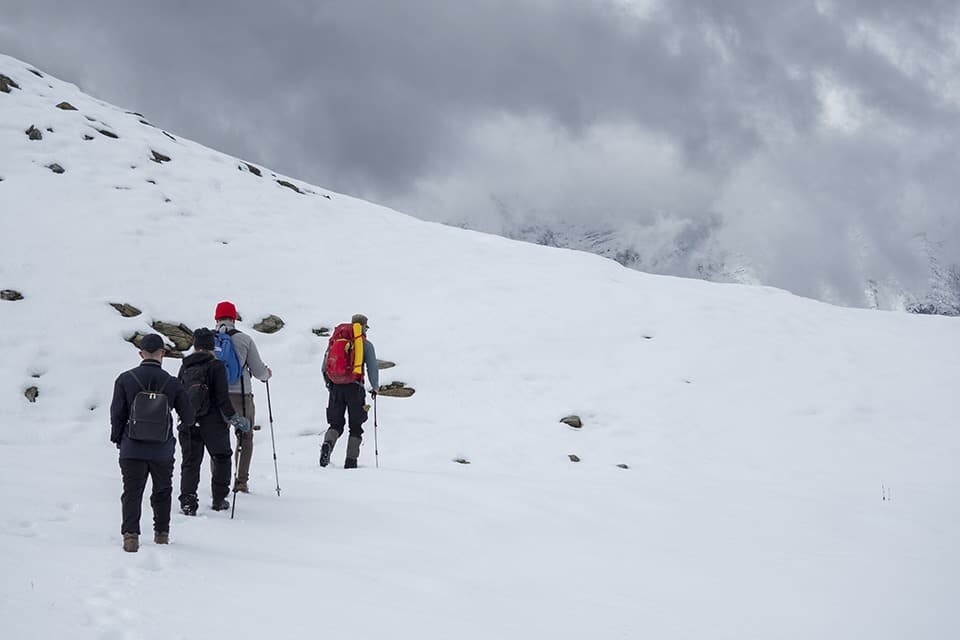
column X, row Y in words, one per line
column 451, row 109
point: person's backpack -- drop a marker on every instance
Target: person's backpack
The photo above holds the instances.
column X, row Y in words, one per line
column 344, row 362
column 194, row 380
column 223, row 350
column 149, row 419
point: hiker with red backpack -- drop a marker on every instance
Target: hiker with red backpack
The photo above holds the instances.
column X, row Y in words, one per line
column 239, row 354
column 348, row 354
column 205, row 379
column 142, row 428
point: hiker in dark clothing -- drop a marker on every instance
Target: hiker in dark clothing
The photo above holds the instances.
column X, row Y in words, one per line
column 147, row 446
column 349, row 398
column 205, row 379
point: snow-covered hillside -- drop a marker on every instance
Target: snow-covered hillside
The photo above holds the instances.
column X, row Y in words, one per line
column 791, row 466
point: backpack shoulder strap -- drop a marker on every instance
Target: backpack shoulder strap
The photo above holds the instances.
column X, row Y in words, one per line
column 134, row 376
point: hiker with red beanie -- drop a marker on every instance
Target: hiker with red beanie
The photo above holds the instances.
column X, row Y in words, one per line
column 250, row 363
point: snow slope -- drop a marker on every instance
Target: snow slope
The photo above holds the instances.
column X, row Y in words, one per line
column 762, row 431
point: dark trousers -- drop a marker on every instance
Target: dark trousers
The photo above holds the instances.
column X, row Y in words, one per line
column 135, row 473
column 245, row 407
column 347, row 399
column 216, row 439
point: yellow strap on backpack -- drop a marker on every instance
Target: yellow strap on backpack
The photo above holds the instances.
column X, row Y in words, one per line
column 358, row 349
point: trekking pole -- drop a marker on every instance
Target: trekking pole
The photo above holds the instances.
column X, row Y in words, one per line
column 376, row 446
column 236, row 471
column 272, row 441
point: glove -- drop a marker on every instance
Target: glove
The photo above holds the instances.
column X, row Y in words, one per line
column 240, row 423
column 373, row 393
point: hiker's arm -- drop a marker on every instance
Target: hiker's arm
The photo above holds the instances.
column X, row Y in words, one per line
column 255, row 363
column 181, row 402
column 370, row 360
column 119, row 412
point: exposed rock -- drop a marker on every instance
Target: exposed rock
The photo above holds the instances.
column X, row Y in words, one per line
column 134, row 113
column 109, row 134
column 159, row 157
column 179, row 334
column 10, row 295
column 55, row 168
column 31, row 393
column 327, row 197
column 396, row 389
column 252, row 169
column 270, row 324
column 87, row 136
column 151, row 181
column 385, row 364
column 289, row 185
column 50, row 129
column 33, row 133
column 126, row 310
column 142, row 121
column 461, row 461
column 6, row 83
column 66, row 106
column 573, row 421
column 171, row 350
column 323, row 332
column 35, row 72
column 623, row 466
column 574, row 457
column 168, row 135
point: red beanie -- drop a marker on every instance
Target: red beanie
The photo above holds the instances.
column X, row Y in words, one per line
column 225, row 310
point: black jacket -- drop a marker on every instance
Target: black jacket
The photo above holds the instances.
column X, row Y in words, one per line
column 125, row 389
column 221, row 409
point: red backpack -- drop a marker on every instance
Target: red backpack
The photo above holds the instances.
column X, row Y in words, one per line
column 345, row 354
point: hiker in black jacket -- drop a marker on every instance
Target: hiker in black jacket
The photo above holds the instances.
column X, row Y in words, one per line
column 147, row 446
column 205, row 379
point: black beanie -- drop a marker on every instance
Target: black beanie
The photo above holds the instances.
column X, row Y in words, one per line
column 203, row 339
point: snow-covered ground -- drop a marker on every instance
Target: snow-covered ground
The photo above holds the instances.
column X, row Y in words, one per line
column 792, row 466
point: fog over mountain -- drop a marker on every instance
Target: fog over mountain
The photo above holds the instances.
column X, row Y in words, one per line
column 809, row 145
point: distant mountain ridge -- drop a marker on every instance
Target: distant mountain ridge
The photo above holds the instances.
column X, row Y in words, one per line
column 695, row 253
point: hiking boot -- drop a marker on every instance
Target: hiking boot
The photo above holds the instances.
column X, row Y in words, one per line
column 188, row 509
column 221, row 505
column 325, row 450
column 161, row 537
column 241, row 485
column 350, row 463
column 131, row 542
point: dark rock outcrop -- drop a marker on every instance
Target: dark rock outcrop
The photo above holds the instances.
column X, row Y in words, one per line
column 572, row 421
column 10, row 295
column 7, row 83
column 396, row 389
column 56, row 168
column 159, row 157
column 289, row 185
column 66, row 106
column 126, row 310
column 270, row 324
column 31, row 393
column 33, row 133
column 179, row 334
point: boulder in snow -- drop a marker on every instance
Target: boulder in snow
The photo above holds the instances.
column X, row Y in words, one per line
column 56, row 168
column 572, row 421
column 10, row 295
column 33, row 133
column 31, row 393
column 7, row 83
column 270, row 324
column 179, row 334
column 126, row 310
column 66, row 106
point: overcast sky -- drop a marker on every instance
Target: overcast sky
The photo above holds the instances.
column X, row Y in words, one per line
column 815, row 141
